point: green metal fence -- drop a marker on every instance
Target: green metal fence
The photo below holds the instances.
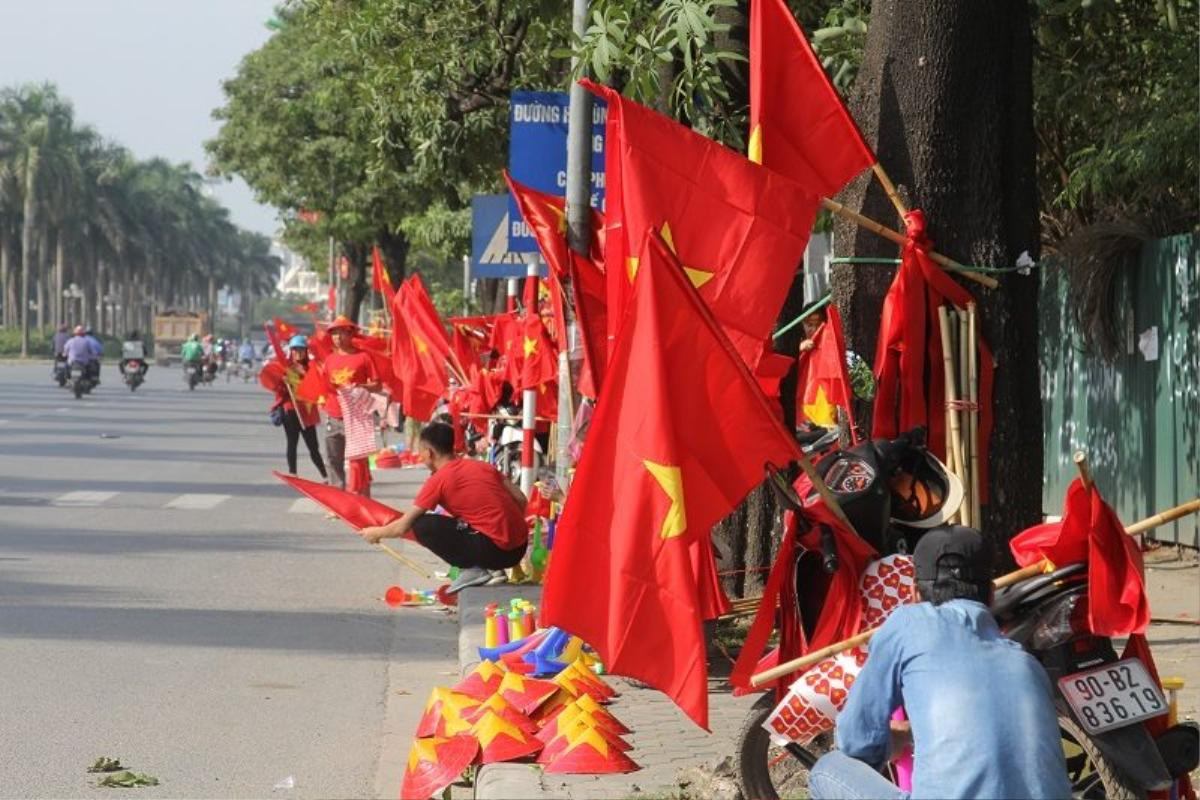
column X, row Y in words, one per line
column 1137, row 418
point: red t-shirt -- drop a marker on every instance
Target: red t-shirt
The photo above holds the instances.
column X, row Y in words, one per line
column 343, row 371
column 474, row 492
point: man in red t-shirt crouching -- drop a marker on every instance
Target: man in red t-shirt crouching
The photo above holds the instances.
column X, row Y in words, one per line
column 483, row 532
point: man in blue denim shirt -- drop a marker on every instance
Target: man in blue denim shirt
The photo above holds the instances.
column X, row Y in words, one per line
column 981, row 711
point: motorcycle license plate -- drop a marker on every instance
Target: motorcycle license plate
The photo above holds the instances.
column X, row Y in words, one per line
column 1113, row 695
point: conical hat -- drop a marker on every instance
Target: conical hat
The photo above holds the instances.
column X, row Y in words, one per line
column 588, row 703
column 570, row 728
column 501, row 740
column 525, row 694
column 443, row 713
column 564, row 719
column 578, row 671
column 496, row 704
column 591, row 754
column 482, row 682
column 577, row 685
column 435, row 763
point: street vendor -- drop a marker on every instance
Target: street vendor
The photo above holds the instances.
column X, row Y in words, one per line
column 483, row 531
column 348, row 370
column 981, row 716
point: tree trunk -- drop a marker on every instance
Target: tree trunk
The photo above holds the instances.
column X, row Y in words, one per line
column 394, row 247
column 95, row 294
column 357, row 255
column 27, row 232
column 945, row 91
column 60, row 267
column 6, row 293
column 43, row 276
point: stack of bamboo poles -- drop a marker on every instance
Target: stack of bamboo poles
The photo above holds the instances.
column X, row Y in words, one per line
column 960, row 360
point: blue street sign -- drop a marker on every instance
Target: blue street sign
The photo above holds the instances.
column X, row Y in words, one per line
column 490, row 256
column 537, row 154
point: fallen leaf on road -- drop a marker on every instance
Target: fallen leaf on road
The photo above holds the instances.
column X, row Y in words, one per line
column 402, row 691
column 127, row 780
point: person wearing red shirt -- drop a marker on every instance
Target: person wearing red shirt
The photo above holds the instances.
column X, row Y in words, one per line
column 483, row 532
column 346, row 367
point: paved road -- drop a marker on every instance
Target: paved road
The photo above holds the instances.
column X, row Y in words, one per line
column 164, row 600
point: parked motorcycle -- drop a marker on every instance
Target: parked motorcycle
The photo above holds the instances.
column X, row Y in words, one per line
column 83, row 379
column 133, row 372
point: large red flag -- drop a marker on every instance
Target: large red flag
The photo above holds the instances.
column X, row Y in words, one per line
column 589, row 290
column 354, row 509
column 1090, row 531
column 824, row 385
column 911, row 389
column 633, row 571
column 420, row 349
column 799, row 126
column 539, row 359
column 285, row 330
column 739, row 230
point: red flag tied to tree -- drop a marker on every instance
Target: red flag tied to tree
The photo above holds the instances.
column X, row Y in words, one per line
column 380, row 279
column 911, row 389
column 633, row 570
column 799, row 126
column 1090, row 531
column 823, row 379
column 739, row 230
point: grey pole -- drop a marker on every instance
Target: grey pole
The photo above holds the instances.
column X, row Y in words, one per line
column 579, row 229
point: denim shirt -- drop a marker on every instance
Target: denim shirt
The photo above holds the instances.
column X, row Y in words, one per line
column 981, row 708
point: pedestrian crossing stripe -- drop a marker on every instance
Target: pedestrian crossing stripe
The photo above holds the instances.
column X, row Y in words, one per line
column 83, row 499
column 304, row 505
column 197, row 502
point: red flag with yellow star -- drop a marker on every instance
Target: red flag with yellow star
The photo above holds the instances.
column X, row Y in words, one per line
column 380, row 279
column 799, row 126
column 633, row 571
column 739, row 230
column 539, row 357
column 823, row 383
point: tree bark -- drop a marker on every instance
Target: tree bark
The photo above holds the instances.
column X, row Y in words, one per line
column 394, row 247
column 59, row 274
column 27, row 231
column 945, row 92
column 6, row 296
column 357, row 255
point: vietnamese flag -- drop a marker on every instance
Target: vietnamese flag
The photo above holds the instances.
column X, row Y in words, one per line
column 331, row 300
column 273, row 338
column 1090, row 531
column 355, row 510
column 799, row 126
column 285, row 330
column 739, row 230
column 306, row 308
column 313, row 386
column 539, row 358
column 380, row 279
column 824, row 384
column 633, row 571
column 589, row 293
column 419, row 350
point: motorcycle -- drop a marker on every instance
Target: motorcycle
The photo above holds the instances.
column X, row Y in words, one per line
column 1101, row 701
column 192, row 374
column 208, row 371
column 61, row 371
column 83, row 379
column 133, row 374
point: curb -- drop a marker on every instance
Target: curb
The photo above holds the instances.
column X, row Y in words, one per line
column 495, row 781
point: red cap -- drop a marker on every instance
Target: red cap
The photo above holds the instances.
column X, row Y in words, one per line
column 342, row 321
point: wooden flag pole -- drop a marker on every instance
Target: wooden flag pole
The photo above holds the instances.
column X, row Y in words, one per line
column 964, row 412
column 405, row 560
column 1161, row 518
column 973, row 398
column 954, row 444
column 900, row 239
column 889, row 188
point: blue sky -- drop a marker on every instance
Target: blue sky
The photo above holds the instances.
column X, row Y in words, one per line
column 146, row 73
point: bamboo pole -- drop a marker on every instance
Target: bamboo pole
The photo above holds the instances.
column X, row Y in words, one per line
column 1085, row 472
column 1141, row 526
column 900, row 239
column 954, row 443
column 889, row 188
column 964, row 414
column 973, row 386
column 405, row 560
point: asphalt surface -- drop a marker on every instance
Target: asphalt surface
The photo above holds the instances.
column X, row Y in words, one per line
column 166, row 601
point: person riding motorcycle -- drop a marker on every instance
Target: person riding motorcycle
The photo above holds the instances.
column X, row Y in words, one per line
column 97, row 351
column 79, row 350
column 192, row 352
column 133, row 349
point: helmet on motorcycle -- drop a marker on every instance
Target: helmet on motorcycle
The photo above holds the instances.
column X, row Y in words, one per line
column 298, row 342
column 79, row 330
column 925, row 493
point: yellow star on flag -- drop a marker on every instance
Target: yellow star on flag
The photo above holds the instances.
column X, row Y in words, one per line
column 342, row 376
column 422, row 348
column 754, row 150
column 698, row 277
column 670, row 478
column 530, row 346
column 560, row 216
column 821, row 411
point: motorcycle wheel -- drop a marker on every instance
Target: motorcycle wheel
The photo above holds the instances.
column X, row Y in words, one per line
column 78, row 388
column 767, row 771
column 1092, row 776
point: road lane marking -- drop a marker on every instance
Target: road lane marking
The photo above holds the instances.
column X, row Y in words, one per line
column 82, row 499
column 304, row 506
column 197, row 502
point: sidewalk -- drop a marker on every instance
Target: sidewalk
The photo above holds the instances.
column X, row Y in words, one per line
column 665, row 742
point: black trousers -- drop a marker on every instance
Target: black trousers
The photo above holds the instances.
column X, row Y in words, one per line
column 335, row 450
column 459, row 545
column 293, row 430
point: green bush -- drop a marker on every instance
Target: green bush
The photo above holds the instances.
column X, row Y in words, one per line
column 40, row 342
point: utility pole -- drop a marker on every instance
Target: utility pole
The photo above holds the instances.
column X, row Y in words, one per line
column 579, row 228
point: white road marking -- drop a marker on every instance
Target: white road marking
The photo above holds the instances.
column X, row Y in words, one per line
column 5, row 421
column 304, row 506
column 83, row 499
column 197, row 502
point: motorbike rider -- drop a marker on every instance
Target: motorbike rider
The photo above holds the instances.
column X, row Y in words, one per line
column 246, row 354
column 61, row 337
column 981, row 715
column 78, row 350
column 133, row 349
column 97, row 351
column 192, row 351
